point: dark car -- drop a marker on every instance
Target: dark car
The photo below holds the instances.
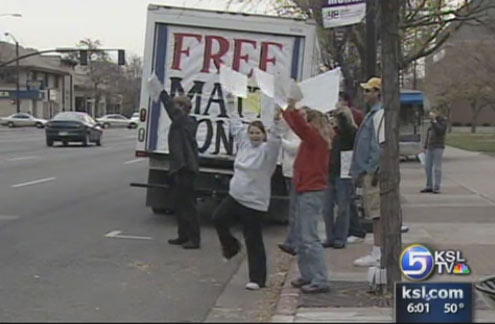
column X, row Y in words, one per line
column 71, row 126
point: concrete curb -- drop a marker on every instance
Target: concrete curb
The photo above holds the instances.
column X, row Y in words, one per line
column 289, row 296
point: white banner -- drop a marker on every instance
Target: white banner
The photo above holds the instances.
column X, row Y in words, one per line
column 193, row 58
column 337, row 13
column 322, row 91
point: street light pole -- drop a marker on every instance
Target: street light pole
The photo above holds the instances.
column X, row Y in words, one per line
column 18, row 103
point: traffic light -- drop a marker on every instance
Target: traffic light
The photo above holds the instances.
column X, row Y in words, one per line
column 121, row 57
column 83, row 57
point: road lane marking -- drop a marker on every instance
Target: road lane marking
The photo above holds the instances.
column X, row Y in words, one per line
column 23, row 158
column 134, row 161
column 116, row 234
column 19, row 185
column 8, row 217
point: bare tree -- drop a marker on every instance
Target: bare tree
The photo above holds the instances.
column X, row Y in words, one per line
column 465, row 74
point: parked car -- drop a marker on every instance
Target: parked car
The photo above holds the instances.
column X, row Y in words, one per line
column 135, row 117
column 22, row 119
column 71, row 126
column 116, row 120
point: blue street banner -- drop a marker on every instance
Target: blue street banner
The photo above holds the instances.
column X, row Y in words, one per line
column 338, row 13
column 429, row 302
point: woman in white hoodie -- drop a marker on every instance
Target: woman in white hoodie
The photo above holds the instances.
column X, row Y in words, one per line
column 249, row 194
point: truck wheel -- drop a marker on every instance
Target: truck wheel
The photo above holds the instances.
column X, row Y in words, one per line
column 49, row 142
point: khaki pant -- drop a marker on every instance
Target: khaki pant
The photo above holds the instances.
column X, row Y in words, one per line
column 371, row 198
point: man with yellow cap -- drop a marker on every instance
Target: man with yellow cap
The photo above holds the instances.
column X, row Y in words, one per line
column 365, row 166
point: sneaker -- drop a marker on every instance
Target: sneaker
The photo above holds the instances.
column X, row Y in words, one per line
column 229, row 253
column 436, row 191
column 190, row 245
column 425, row 190
column 287, row 249
column 367, row 261
column 338, row 245
column 354, row 239
column 299, row 282
column 327, row 244
column 177, row 241
column 404, row 229
column 252, row 286
column 314, row 289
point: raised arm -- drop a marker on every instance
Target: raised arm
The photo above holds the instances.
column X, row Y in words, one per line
column 173, row 112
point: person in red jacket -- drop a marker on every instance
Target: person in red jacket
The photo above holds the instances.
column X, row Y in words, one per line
column 310, row 181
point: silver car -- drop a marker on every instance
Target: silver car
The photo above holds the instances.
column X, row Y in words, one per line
column 22, row 119
column 116, row 120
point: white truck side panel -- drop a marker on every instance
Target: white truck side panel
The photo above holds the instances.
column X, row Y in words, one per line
column 183, row 57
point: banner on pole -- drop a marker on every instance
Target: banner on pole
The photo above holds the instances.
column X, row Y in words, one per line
column 337, row 13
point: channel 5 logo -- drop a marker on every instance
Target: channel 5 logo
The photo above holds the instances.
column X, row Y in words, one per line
column 418, row 262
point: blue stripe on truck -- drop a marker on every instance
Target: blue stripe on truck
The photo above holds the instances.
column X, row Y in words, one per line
column 159, row 68
column 295, row 58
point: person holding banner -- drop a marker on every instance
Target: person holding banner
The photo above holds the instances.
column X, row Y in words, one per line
column 183, row 168
column 310, row 181
column 249, row 194
column 340, row 187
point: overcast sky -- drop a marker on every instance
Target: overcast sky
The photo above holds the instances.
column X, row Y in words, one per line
column 47, row 24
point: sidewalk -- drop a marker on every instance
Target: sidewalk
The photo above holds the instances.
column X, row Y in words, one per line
column 461, row 217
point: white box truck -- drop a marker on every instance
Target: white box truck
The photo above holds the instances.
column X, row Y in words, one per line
column 184, row 48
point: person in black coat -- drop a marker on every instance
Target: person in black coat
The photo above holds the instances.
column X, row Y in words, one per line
column 183, row 150
column 340, row 187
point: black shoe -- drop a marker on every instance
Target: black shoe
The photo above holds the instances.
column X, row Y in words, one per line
column 314, row 289
column 229, row 253
column 190, row 245
column 425, row 190
column 299, row 282
column 337, row 245
column 287, row 249
column 177, row 241
column 327, row 244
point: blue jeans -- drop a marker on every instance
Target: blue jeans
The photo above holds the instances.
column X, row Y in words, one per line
column 290, row 240
column 433, row 168
column 339, row 193
column 310, row 256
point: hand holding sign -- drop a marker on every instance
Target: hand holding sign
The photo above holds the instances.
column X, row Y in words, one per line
column 233, row 81
column 155, row 87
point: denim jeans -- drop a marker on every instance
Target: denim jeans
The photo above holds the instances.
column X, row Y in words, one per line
column 433, row 168
column 339, row 193
column 290, row 240
column 310, row 256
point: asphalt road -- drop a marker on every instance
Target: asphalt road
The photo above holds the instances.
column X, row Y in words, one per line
column 78, row 244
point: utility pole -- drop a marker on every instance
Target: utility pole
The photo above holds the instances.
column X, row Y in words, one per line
column 389, row 161
column 18, row 103
column 371, row 38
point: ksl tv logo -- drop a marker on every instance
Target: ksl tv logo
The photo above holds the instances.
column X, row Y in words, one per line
column 417, row 262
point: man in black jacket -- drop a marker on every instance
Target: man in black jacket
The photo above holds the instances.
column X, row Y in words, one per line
column 434, row 146
column 183, row 150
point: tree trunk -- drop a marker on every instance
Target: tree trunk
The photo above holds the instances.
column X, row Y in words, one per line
column 474, row 120
column 389, row 161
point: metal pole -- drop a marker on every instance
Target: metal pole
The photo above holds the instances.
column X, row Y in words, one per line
column 17, row 83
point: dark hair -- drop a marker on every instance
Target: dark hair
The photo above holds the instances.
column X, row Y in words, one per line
column 346, row 97
column 183, row 101
column 258, row 124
